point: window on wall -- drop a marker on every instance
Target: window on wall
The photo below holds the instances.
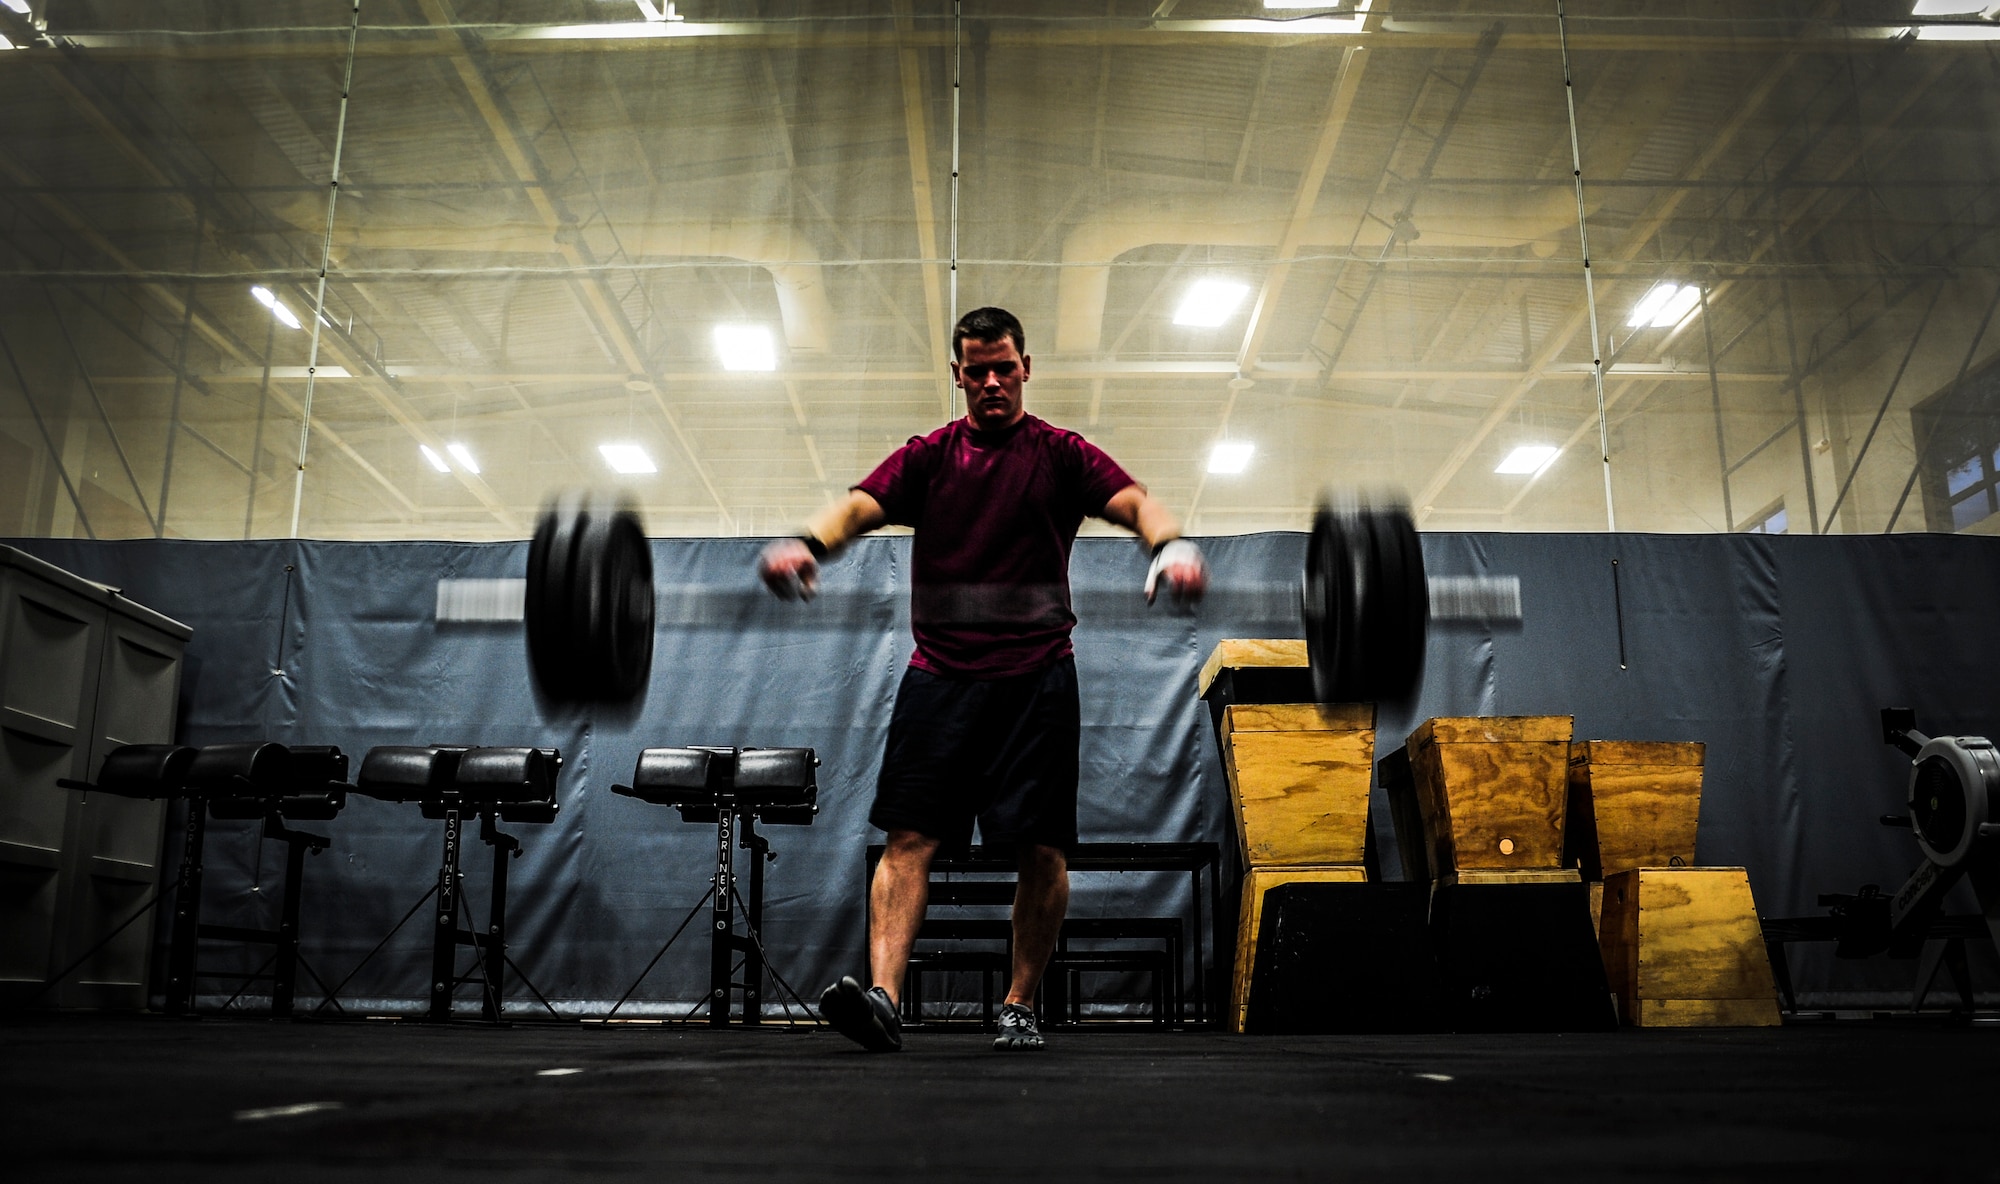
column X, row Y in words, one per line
column 1970, row 488
column 1961, row 451
column 1770, row 521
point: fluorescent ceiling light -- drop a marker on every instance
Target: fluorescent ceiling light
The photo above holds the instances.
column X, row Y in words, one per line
column 20, row 6
column 652, row 13
column 1336, row 7
column 1654, row 300
column 1231, row 456
column 1950, row 7
column 1208, row 303
column 1665, row 306
column 1958, row 33
column 1528, row 458
column 745, row 347
column 4, row 43
column 627, row 458
column 463, row 456
column 1677, row 307
column 277, row 306
column 437, row 462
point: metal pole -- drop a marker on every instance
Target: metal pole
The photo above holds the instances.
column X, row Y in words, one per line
column 957, row 73
column 1715, row 401
column 325, row 254
column 257, row 440
column 1589, row 287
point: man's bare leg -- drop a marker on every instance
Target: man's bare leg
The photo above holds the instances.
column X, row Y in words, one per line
column 1041, row 900
column 896, row 901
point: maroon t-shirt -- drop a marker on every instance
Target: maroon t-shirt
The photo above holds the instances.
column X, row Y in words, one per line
column 995, row 514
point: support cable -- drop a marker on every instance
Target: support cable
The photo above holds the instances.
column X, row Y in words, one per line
column 1589, row 286
column 325, row 255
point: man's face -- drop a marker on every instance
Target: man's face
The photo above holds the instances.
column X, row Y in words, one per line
column 991, row 373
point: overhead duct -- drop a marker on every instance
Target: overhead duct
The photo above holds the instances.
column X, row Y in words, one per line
column 1444, row 218
column 390, row 224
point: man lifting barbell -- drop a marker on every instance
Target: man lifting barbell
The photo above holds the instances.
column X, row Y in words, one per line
column 986, row 724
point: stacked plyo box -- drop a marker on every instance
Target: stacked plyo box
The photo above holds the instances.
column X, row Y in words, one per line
column 1492, row 795
column 1682, row 946
column 1510, row 925
column 1298, row 782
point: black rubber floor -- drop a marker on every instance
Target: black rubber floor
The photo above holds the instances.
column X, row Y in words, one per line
column 146, row 1098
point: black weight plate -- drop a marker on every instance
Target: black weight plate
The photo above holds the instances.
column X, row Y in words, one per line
column 1318, row 602
column 1335, row 588
column 612, row 605
column 589, row 602
column 1397, row 609
column 547, row 611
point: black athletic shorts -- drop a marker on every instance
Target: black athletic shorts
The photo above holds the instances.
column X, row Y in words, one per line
column 1003, row 751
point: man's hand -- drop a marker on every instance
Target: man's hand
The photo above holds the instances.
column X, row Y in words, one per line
column 1185, row 572
column 789, row 570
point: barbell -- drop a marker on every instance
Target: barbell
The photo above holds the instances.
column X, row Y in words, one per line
column 591, row 608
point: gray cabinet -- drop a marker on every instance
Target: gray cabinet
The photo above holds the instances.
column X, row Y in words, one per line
column 82, row 670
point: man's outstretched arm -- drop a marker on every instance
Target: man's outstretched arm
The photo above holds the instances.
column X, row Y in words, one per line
column 1176, row 561
column 789, row 567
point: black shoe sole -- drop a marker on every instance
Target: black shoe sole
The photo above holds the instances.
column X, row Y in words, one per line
column 845, row 1005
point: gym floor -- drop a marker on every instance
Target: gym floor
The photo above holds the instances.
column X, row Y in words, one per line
column 150, row 1098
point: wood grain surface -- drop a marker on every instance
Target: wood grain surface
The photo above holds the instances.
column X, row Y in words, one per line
column 1676, row 937
column 1233, row 652
column 1300, row 797
column 1640, row 799
column 1491, row 798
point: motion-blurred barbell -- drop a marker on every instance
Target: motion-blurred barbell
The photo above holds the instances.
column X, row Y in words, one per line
column 591, row 608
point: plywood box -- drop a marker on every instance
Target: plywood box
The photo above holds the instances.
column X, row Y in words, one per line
column 1632, row 804
column 1682, row 948
column 1256, row 882
column 1298, row 781
column 1237, row 653
column 1492, row 790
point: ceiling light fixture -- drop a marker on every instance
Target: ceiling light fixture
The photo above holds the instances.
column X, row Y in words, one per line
column 746, row 347
column 1231, row 456
column 463, row 456
column 1528, row 458
column 266, row 298
column 1951, row 8
column 437, row 462
column 1958, row 33
column 627, row 458
column 20, row 6
column 1667, row 304
column 1209, row 303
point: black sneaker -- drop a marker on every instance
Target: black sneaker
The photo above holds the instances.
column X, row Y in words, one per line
column 865, row 1017
column 1018, row 1032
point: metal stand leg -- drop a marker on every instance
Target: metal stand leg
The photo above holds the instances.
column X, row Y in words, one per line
column 722, row 949
column 444, row 934
column 187, row 914
column 493, row 943
column 285, row 974
column 753, row 909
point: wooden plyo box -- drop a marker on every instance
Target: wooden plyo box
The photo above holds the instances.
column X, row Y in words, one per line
column 1683, row 949
column 1252, row 654
column 1298, row 781
column 1492, row 791
column 1256, row 882
column 1632, row 804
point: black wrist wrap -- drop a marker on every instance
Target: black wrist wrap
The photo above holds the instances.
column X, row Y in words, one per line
column 817, row 548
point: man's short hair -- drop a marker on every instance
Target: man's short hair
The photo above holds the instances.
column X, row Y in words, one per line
column 988, row 324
